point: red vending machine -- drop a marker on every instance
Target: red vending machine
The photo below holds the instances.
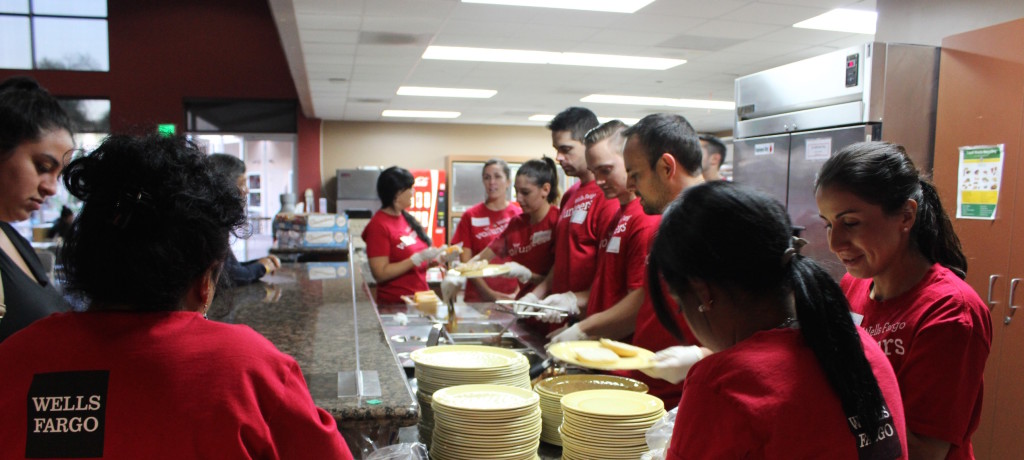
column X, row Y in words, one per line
column 429, row 202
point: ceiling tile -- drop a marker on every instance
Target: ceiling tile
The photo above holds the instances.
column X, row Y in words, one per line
column 693, row 8
column 405, row 25
column 733, row 29
column 327, row 21
column 767, row 13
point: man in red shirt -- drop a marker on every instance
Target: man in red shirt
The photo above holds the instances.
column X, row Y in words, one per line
column 585, row 213
column 616, row 293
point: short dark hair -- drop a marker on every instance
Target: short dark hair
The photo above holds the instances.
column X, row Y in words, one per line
column 541, row 171
column 498, row 161
column 26, row 110
column 715, row 145
column 883, row 174
column 604, row 131
column 228, row 165
column 576, row 120
column 155, row 218
column 668, row 133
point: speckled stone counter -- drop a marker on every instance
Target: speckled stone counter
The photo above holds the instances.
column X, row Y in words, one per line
column 313, row 321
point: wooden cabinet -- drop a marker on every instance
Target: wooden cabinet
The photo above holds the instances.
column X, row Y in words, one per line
column 981, row 102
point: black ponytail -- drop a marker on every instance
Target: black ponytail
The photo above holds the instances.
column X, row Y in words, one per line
column 884, row 175
column 740, row 240
column 542, row 171
column 415, row 224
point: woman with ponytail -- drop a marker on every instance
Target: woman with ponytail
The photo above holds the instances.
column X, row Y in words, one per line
column 396, row 244
column 790, row 376
column 905, row 285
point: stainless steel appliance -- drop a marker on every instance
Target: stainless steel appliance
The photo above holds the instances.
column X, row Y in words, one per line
column 792, row 118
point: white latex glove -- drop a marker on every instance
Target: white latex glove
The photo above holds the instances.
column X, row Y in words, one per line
column 450, row 255
column 425, row 255
column 672, row 363
column 452, row 283
column 519, row 272
column 529, row 297
column 564, row 302
column 569, row 334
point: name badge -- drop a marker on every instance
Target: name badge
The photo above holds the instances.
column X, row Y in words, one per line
column 857, row 318
column 541, row 237
column 408, row 240
column 613, row 245
column 481, row 221
column 578, row 216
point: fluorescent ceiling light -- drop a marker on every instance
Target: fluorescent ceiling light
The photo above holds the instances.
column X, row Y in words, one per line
column 660, row 101
column 419, row 114
column 548, row 117
column 446, row 92
column 843, row 20
column 612, row 6
column 458, row 53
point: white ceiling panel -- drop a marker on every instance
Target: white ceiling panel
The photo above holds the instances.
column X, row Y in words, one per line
column 326, row 21
column 693, row 8
column 733, row 29
column 771, row 13
column 415, row 25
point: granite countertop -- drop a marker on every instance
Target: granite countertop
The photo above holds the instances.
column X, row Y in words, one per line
column 312, row 321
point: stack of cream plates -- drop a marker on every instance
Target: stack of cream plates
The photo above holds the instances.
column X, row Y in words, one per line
column 607, row 424
column 485, row 421
column 452, row 365
column 552, row 389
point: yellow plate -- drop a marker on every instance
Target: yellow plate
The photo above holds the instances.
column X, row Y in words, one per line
column 488, row 271
column 612, row 403
column 485, row 397
column 466, row 357
column 566, row 351
column 564, row 384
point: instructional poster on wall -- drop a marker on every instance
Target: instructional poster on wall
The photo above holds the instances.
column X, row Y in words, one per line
column 978, row 181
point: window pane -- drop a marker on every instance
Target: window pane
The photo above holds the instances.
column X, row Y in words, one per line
column 88, row 115
column 14, row 6
column 91, row 8
column 15, row 43
column 71, row 44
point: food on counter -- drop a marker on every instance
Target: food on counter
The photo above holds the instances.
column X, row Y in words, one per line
column 596, row 355
column 473, row 265
column 624, row 350
column 426, row 300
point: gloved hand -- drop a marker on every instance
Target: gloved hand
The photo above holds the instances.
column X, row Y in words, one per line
column 452, row 283
column 519, row 272
column 529, row 297
column 672, row 363
column 450, row 255
column 568, row 334
column 564, row 303
column 425, row 255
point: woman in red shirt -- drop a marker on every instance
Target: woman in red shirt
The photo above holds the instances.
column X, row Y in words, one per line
column 904, row 282
column 790, row 376
column 481, row 224
column 396, row 244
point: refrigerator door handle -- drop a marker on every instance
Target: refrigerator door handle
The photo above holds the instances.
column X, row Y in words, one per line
column 991, row 282
column 1013, row 308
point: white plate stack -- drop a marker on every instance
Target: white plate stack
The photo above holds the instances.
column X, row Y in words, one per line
column 485, row 421
column 452, row 365
column 552, row 389
column 607, row 424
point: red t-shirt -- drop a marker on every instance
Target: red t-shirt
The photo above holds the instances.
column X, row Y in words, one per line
column 937, row 336
column 767, row 397
column 392, row 237
column 622, row 257
column 477, row 228
column 528, row 244
column 585, row 216
column 156, row 385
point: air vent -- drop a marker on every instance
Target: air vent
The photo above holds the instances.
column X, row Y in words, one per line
column 390, row 38
column 371, row 100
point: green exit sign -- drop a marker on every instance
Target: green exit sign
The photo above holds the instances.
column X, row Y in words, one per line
column 166, row 129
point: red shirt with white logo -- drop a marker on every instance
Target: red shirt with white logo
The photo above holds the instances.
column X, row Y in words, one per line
column 528, row 244
column 937, row 336
column 585, row 216
column 622, row 257
column 392, row 237
column 767, row 397
column 477, row 228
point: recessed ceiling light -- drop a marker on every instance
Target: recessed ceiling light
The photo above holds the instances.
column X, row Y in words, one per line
column 612, row 6
column 548, row 117
column 843, row 20
column 660, row 101
column 419, row 114
column 445, row 92
column 458, row 53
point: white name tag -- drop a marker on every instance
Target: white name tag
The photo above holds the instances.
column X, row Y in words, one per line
column 481, row 221
column 857, row 318
column 408, row 240
column 613, row 245
column 541, row 237
column 578, row 216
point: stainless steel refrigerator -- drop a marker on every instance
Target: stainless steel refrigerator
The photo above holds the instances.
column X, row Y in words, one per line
column 792, row 118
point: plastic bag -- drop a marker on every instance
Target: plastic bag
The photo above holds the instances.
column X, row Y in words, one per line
column 404, row 451
column 659, row 435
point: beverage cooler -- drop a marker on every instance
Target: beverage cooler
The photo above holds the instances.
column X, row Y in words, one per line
column 357, row 198
column 430, row 202
column 792, row 118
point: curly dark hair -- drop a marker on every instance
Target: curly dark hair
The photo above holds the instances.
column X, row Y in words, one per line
column 155, row 218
